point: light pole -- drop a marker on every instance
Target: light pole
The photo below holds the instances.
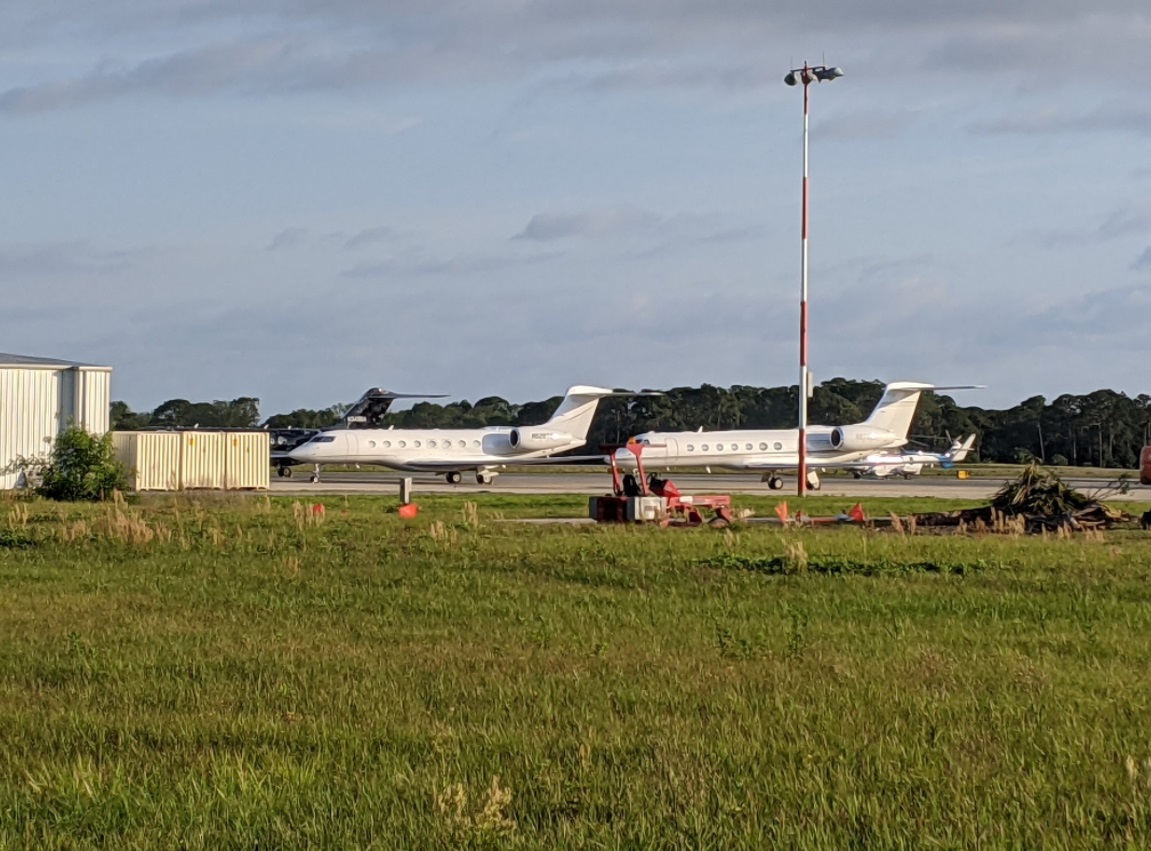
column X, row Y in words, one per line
column 807, row 75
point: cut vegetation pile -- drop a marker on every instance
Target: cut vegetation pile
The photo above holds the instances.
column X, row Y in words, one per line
column 1041, row 501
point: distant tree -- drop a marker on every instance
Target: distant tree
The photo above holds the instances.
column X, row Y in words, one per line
column 123, row 418
column 243, row 412
column 306, row 418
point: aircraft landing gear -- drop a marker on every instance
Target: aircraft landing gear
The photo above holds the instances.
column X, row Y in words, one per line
column 775, row 483
column 484, row 478
column 315, row 477
column 813, row 480
column 284, row 472
column 454, row 477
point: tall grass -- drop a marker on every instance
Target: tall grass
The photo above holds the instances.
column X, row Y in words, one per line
column 255, row 673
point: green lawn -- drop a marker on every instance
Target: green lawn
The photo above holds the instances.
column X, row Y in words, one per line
column 245, row 673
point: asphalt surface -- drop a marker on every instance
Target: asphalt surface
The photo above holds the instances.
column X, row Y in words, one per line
column 599, row 482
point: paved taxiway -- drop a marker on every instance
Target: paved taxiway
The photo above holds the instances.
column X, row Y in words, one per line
column 590, row 484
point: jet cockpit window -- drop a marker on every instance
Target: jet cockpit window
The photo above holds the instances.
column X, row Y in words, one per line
column 323, row 438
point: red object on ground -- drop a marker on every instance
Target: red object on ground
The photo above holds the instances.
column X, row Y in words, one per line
column 781, row 511
column 318, row 508
column 856, row 513
column 408, row 511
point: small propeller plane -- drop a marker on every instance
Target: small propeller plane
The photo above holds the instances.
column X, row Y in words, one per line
column 907, row 464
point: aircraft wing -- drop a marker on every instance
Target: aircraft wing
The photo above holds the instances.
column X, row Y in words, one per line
column 812, row 464
column 489, row 462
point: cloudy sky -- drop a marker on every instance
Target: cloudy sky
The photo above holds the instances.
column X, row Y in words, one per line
column 300, row 199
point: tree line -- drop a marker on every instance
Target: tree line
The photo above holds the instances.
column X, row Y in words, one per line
column 1103, row 428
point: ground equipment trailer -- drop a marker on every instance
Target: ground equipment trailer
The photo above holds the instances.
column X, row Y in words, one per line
column 639, row 498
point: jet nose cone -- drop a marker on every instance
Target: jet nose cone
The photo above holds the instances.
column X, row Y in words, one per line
column 299, row 454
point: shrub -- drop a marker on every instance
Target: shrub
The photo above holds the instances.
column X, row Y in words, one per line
column 81, row 467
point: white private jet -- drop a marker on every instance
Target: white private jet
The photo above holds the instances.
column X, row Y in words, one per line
column 778, row 449
column 453, row 451
column 907, row 464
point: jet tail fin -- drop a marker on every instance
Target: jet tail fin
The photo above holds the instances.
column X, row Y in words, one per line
column 960, row 449
column 575, row 413
column 896, row 408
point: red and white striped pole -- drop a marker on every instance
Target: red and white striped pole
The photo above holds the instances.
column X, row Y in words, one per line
column 803, row 305
column 806, row 75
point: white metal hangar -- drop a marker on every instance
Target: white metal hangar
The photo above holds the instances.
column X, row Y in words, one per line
column 39, row 398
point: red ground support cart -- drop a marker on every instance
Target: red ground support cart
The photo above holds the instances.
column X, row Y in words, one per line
column 640, row 498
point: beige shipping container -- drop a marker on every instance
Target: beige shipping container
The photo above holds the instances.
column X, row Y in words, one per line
column 247, row 460
column 188, row 460
column 203, row 459
column 151, row 457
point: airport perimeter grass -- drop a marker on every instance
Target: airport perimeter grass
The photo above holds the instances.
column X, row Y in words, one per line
column 244, row 673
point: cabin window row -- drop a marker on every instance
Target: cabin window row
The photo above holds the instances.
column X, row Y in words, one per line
column 432, row 444
column 733, row 447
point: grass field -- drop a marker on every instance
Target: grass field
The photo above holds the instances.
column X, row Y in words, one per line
column 245, row 673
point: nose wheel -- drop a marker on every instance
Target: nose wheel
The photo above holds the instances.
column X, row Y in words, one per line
column 315, row 477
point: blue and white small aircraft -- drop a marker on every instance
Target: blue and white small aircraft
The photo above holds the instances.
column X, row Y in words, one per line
column 908, row 464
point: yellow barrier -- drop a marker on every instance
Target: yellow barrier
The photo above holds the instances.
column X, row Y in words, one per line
column 962, row 474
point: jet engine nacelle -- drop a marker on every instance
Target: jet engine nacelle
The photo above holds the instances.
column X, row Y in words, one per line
column 861, row 438
column 530, row 439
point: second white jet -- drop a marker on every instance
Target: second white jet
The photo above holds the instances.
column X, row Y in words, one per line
column 772, row 450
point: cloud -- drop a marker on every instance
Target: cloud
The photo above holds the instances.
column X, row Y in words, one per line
column 60, row 259
column 1143, row 261
column 701, row 45
column 1105, row 314
column 594, row 224
column 1111, row 117
column 459, row 265
column 369, row 236
column 866, row 124
column 289, row 238
column 185, row 74
column 1129, row 221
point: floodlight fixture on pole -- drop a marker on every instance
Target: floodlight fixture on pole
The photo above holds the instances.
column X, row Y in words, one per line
column 806, row 75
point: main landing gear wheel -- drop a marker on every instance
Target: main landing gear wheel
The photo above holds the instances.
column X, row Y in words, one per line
column 454, row 477
column 284, row 472
column 484, row 478
column 813, row 481
column 775, row 483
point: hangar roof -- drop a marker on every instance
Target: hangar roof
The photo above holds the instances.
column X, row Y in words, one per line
column 45, row 363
